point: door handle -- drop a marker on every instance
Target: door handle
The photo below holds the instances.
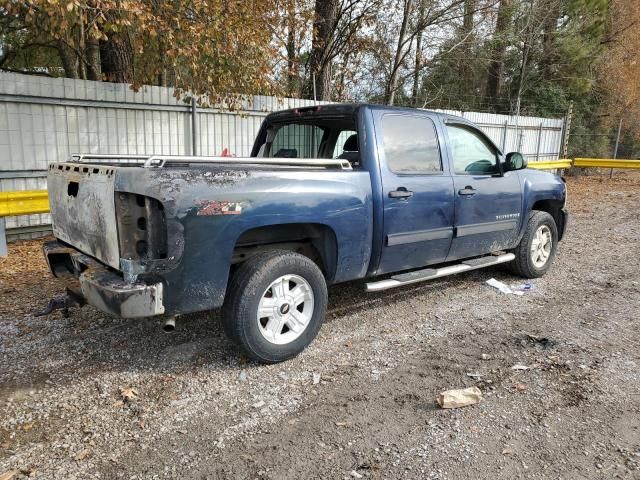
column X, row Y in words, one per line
column 400, row 193
column 468, row 190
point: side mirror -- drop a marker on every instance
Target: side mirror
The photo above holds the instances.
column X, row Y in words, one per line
column 515, row 161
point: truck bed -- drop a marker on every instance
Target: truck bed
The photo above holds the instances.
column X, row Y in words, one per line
column 177, row 220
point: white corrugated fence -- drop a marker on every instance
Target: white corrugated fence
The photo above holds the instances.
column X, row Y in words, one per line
column 46, row 119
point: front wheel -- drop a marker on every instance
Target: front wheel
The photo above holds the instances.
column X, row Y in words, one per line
column 535, row 252
column 275, row 305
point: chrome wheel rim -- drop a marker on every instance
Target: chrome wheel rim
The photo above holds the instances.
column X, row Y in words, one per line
column 285, row 309
column 541, row 246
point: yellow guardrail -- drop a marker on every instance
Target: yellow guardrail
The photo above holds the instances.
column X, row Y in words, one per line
column 606, row 163
column 37, row 201
column 23, row 203
column 550, row 164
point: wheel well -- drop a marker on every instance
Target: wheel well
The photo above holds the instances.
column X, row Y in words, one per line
column 552, row 207
column 313, row 240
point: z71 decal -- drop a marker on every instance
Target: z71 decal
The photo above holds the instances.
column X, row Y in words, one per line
column 219, row 207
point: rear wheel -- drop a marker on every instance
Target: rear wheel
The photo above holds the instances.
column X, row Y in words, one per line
column 535, row 252
column 275, row 305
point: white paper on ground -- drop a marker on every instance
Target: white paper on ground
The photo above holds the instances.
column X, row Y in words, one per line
column 503, row 287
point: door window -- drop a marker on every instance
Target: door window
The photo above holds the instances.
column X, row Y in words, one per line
column 410, row 144
column 472, row 155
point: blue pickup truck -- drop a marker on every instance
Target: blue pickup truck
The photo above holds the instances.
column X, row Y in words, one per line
column 330, row 194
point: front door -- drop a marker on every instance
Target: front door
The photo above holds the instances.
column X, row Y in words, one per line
column 417, row 190
column 488, row 204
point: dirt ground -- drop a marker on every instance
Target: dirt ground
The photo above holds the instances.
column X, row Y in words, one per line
column 94, row 397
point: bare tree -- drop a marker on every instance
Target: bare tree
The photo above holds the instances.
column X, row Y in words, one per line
column 402, row 50
column 430, row 13
column 336, row 24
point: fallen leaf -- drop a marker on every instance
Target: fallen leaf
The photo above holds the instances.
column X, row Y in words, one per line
column 507, row 451
column 8, row 475
column 128, row 394
column 521, row 387
column 83, row 454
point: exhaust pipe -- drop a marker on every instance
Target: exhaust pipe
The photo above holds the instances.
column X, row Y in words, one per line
column 169, row 325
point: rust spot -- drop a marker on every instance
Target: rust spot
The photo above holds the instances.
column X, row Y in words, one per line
column 219, row 207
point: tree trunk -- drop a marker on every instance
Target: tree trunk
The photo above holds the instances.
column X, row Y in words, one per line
column 116, row 55
column 417, row 69
column 92, row 52
column 69, row 59
column 392, row 84
column 418, row 62
column 494, row 74
column 326, row 12
column 549, row 53
column 467, row 19
column 292, row 77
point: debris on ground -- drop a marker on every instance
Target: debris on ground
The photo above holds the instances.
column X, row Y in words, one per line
column 8, row 475
column 128, row 394
column 83, row 454
column 523, row 287
column 316, row 378
column 503, row 287
column 459, row 398
column 520, row 367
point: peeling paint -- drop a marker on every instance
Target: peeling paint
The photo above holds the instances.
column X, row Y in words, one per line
column 219, row 207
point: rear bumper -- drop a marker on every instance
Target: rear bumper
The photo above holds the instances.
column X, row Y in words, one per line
column 102, row 287
column 564, row 220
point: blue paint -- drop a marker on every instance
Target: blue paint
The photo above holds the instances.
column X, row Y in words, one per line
column 435, row 224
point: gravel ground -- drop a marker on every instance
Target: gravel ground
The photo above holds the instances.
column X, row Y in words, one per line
column 94, row 397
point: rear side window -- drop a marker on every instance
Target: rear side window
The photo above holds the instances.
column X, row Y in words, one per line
column 410, row 144
column 296, row 141
column 341, row 142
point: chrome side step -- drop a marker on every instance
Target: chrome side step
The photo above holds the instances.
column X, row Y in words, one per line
column 432, row 273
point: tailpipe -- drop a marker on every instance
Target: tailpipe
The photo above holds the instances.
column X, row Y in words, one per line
column 169, row 325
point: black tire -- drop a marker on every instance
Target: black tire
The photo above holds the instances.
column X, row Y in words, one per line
column 523, row 264
column 245, row 290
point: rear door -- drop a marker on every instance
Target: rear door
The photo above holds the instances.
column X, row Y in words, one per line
column 417, row 191
column 488, row 204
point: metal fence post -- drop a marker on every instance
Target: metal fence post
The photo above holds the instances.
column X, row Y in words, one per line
column 565, row 137
column 538, row 143
column 504, row 134
column 520, row 138
column 567, row 130
column 3, row 238
column 615, row 150
column 195, row 134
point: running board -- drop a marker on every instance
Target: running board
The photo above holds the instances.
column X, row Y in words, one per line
column 432, row 273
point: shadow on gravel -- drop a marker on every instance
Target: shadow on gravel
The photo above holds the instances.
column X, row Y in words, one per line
column 89, row 342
